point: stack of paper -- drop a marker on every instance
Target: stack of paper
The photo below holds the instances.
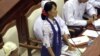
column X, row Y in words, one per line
column 99, row 32
column 82, row 49
column 71, row 53
column 97, row 24
column 75, row 52
column 64, row 48
column 90, row 33
column 78, row 40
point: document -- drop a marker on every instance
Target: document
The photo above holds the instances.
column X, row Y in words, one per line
column 99, row 32
column 64, row 48
column 78, row 40
column 82, row 49
column 97, row 24
column 90, row 33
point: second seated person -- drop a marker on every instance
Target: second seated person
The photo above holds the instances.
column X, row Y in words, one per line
column 73, row 11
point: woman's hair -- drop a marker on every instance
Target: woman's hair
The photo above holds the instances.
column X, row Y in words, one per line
column 47, row 7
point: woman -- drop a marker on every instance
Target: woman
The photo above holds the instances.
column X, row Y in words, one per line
column 53, row 29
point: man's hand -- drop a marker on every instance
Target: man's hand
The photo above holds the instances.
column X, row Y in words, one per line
column 95, row 17
column 90, row 21
column 71, row 48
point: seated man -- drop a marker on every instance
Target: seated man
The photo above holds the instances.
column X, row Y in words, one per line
column 73, row 12
column 8, row 48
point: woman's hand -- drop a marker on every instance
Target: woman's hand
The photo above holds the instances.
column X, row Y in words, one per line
column 71, row 48
column 90, row 21
column 66, row 37
column 95, row 17
column 51, row 51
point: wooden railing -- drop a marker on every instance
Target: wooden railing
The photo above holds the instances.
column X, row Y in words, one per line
column 18, row 16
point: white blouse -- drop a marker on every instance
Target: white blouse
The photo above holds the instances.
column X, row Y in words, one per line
column 46, row 32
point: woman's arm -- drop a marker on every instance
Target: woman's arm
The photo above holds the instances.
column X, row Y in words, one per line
column 46, row 43
column 64, row 31
column 65, row 38
column 46, row 39
column 51, row 51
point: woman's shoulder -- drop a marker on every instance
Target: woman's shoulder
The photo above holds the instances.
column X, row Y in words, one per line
column 46, row 26
column 45, row 23
column 58, row 18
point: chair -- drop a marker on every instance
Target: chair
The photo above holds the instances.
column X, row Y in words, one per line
column 12, row 34
column 17, row 12
column 9, row 33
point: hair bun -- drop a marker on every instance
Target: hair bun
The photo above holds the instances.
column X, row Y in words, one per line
column 43, row 2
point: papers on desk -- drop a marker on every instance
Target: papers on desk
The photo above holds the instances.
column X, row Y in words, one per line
column 99, row 32
column 90, row 33
column 64, row 48
column 82, row 49
column 76, row 52
column 78, row 40
column 97, row 24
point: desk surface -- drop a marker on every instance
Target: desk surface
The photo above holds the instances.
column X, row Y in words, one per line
column 93, row 50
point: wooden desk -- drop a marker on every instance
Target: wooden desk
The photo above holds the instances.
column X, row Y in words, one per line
column 93, row 50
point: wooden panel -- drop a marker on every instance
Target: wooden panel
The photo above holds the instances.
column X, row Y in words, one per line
column 18, row 13
column 6, row 5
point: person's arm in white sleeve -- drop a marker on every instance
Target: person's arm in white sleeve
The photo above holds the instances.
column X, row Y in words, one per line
column 69, row 18
column 64, row 28
column 90, row 9
column 95, row 3
column 65, row 32
column 46, row 40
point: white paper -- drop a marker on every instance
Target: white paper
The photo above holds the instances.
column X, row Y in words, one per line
column 99, row 32
column 78, row 40
column 82, row 49
column 64, row 48
column 90, row 33
column 62, row 55
column 97, row 24
column 76, row 52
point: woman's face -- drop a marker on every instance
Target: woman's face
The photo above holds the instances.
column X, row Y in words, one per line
column 53, row 11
